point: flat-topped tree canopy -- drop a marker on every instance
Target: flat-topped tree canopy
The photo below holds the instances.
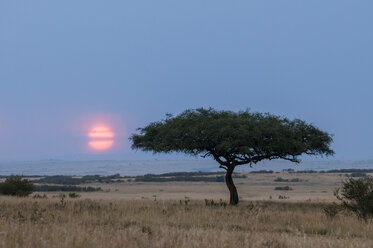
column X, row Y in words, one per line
column 233, row 138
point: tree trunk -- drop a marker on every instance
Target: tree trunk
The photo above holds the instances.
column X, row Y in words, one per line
column 232, row 189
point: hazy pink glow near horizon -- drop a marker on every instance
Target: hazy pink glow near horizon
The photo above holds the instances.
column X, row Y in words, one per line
column 101, row 138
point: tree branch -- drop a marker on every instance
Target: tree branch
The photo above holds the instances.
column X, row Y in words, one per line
column 293, row 159
column 206, row 154
column 255, row 159
column 217, row 158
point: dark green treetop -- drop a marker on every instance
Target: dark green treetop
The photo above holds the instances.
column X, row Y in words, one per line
column 233, row 138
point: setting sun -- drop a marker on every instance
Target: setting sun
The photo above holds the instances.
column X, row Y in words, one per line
column 101, row 138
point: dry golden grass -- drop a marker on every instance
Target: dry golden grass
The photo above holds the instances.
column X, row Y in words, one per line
column 52, row 222
column 317, row 187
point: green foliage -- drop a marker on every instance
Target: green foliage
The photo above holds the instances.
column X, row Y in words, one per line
column 283, row 197
column 73, row 195
column 67, row 180
column 181, row 177
column 71, row 188
column 212, row 203
column 307, row 171
column 294, row 180
column 356, row 195
column 280, row 179
column 262, row 172
column 358, row 174
column 233, row 138
column 283, row 188
column 16, row 186
column 332, row 210
column 38, row 196
column 348, row 171
column 70, row 180
column 186, row 174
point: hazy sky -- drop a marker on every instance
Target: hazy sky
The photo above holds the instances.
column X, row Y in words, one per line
column 66, row 66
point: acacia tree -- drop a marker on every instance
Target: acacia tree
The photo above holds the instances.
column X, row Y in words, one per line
column 233, row 138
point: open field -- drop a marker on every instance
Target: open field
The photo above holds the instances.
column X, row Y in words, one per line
column 53, row 222
column 181, row 214
column 311, row 186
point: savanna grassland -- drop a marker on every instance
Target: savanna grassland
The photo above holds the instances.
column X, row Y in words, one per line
column 57, row 222
column 148, row 218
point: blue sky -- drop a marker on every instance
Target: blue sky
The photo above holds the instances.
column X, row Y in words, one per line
column 65, row 64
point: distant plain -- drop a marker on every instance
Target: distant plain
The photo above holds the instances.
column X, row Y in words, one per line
column 187, row 214
column 276, row 209
column 256, row 186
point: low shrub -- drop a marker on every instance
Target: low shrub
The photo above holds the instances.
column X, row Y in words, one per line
column 283, row 188
column 38, row 196
column 16, row 186
column 283, row 197
column 358, row 174
column 280, row 179
column 221, row 203
column 356, row 195
column 262, row 172
column 73, row 195
column 294, row 180
column 64, row 188
column 332, row 210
